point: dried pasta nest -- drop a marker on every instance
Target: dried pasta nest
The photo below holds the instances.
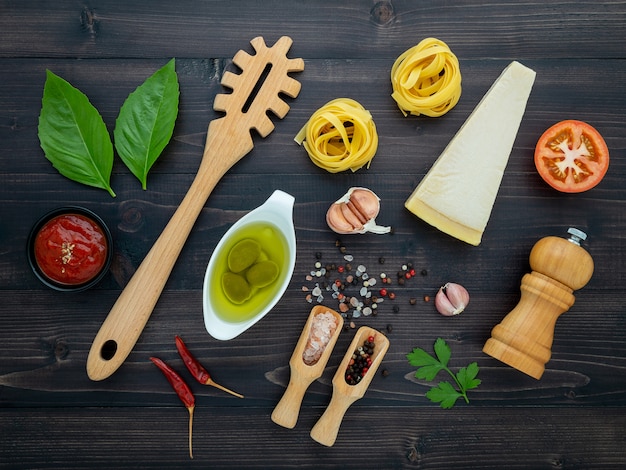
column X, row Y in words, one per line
column 340, row 136
column 426, row 79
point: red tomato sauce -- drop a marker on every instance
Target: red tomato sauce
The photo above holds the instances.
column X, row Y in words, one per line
column 71, row 249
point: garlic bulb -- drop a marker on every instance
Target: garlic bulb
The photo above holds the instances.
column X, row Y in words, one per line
column 355, row 212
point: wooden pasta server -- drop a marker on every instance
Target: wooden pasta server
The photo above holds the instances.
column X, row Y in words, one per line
column 255, row 91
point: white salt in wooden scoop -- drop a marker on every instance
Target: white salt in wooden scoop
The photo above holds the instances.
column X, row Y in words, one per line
column 302, row 375
column 326, row 429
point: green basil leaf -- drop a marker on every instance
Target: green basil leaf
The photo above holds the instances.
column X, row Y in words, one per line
column 73, row 135
column 146, row 121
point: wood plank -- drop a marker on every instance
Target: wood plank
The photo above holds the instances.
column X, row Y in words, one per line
column 484, row 29
column 235, row 437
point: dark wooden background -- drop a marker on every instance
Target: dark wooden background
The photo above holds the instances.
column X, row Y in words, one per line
column 53, row 416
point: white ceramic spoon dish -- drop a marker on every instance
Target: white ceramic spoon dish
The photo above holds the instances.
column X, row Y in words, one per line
column 274, row 218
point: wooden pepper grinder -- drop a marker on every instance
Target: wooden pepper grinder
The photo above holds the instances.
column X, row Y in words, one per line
column 523, row 339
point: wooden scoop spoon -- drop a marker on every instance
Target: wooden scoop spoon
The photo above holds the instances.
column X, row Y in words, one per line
column 228, row 140
column 302, row 375
column 326, row 429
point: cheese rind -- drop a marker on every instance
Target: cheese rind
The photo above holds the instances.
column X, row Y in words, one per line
column 458, row 192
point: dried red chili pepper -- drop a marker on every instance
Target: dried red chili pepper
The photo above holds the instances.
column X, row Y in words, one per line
column 197, row 370
column 182, row 390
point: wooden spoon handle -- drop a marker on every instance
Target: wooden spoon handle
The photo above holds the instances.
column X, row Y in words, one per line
column 126, row 320
column 288, row 408
column 327, row 427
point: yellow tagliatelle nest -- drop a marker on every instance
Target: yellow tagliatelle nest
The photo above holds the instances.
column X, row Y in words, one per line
column 426, row 79
column 341, row 135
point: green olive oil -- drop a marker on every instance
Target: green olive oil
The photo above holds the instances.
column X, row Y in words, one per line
column 273, row 247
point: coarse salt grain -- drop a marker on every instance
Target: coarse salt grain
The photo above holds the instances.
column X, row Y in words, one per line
column 322, row 328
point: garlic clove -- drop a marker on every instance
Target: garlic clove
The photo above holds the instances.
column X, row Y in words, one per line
column 366, row 202
column 351, row 217
column 451, row 299
column 336, row 220
column 355, row 212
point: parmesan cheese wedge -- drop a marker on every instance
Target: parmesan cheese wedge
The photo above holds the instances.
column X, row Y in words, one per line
column 458, row 192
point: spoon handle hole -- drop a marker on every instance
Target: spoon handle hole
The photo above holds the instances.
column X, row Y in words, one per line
column 108, row 350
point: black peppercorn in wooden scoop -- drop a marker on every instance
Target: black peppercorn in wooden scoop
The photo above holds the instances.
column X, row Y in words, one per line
column 326, row 429
column 302, row 375
column 255, row 91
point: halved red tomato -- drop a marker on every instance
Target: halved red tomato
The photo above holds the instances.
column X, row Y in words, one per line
column 572, row 156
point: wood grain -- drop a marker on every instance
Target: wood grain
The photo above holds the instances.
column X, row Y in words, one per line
column 53, row 416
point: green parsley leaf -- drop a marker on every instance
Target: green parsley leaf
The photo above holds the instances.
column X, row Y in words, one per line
column 443, row 352
column 146, row 121
column 73, row 135
column 429, row 372
column 445, row 394
column 429, row 366
column 418, row 358
column 466, row 376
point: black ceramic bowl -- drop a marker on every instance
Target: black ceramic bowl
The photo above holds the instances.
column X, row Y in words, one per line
column 92, row 232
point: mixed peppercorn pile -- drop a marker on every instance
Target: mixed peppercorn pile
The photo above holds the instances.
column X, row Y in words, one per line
column 360, row 362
